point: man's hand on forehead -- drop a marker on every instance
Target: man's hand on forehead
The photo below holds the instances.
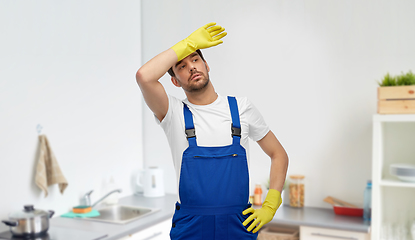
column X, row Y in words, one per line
column 205, row 37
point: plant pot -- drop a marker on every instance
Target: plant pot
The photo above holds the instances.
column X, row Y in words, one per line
column 396, row 100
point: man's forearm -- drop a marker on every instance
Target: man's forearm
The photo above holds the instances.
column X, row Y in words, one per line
column 148, row 77
column 279, row 160
column 279, row 165
column 154, row 69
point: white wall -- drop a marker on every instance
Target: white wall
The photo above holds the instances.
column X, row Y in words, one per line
column 309, row 66
column 69, row 66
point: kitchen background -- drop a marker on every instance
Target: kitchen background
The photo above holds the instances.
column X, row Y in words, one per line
column 70, row 67
column 310, row 67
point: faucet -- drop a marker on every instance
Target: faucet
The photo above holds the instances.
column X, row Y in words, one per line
column 86, row 200
column 87, row 197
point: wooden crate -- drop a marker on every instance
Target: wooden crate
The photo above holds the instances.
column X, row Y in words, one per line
column 396, row 100
column 277, row 232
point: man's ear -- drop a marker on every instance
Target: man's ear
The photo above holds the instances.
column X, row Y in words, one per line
column 175, row 82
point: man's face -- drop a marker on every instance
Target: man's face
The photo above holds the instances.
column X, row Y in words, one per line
column 192, row 73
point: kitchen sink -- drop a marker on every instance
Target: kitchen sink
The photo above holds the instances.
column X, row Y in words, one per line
column 121, row 214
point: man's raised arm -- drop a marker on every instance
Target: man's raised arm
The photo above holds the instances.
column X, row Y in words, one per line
column 149, row 74
column 148, row 80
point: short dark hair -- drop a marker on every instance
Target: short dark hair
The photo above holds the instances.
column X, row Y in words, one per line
column 170, row 71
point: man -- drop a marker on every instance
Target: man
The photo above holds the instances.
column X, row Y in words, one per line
column 208, row 135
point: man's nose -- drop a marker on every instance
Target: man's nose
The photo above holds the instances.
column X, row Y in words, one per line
column 192, row 68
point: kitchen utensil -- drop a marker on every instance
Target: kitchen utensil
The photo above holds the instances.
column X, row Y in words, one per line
column 30, row 222
column 151, row 180
column 329, row 200
column 335, row 201
column 405, row 172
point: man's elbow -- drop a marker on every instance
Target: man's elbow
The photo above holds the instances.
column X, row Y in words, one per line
column 139, row 77
column 286, row 160
column 285, row 157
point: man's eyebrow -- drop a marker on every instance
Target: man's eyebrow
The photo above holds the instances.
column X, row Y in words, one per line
column 175, row 65
column 191, row 55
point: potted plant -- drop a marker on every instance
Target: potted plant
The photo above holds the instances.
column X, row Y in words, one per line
column 396, row 94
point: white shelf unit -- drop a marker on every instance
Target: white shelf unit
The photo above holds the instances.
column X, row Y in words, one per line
column 393, row 142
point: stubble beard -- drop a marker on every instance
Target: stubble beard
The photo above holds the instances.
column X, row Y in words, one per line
column 197, row 85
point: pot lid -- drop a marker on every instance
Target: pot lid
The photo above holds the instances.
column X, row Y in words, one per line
column 28, row 212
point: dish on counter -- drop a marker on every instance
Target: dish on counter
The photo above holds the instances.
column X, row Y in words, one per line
column 348, row 211
column 405, row 172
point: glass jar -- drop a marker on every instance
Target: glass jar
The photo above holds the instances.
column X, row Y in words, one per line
column 296, row 189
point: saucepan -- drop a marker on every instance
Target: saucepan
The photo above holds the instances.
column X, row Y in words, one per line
column 30, row 222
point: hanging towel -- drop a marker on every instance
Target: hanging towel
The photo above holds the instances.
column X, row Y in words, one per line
column 48, row 171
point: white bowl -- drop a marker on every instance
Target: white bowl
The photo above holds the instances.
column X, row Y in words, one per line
column 405, row 172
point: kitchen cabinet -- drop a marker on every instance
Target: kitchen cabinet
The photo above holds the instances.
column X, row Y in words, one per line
column 160, row 231
column 314, row 233
column 392, row 199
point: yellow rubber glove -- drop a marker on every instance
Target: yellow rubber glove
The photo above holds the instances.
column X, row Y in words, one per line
column 204, row 37
column 266, row 213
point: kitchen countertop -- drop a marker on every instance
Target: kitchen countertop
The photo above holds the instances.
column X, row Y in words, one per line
column 111, row 231
column 307, row 216
column 319, row 217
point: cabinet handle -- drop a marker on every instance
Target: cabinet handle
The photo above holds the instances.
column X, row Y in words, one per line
column 153, row 236
column 333, row 236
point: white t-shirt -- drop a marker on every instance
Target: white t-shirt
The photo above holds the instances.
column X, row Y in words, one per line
column 212, row 126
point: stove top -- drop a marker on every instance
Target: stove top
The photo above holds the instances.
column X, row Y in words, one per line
column 58, row 233
column 8, row 235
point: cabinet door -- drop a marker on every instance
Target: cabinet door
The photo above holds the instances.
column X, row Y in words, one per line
column 312, row 233
column 160, row 231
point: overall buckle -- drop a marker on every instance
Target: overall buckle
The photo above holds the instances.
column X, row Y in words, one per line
column 236, row 131
column 190, row 133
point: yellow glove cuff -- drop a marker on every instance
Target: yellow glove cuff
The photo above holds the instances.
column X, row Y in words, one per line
column 272, row 200
column 183, row 49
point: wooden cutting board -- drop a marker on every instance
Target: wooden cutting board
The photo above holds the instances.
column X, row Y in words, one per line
column 335, row 201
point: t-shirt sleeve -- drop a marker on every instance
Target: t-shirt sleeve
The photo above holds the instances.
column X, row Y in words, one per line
column 166, row 122
column 258, row 128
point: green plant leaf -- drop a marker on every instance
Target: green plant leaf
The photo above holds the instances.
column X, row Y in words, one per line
column 388, row 80
column 400, row 80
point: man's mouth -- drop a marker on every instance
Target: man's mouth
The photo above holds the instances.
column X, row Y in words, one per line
column 195, row 76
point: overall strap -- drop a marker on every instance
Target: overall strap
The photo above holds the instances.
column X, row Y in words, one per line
column 190, row 128
column 236, row 124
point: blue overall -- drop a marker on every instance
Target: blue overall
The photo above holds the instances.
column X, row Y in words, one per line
column 213, row 187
